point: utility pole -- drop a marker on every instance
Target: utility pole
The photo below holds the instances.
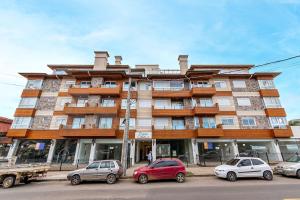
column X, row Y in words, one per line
column 126, row 130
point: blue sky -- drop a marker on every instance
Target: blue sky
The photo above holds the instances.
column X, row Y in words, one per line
column 35, row 33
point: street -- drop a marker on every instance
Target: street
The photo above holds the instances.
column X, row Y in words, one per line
column 194, row 188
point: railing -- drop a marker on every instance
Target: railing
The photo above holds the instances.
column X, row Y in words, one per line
column 171, row 127
column 169, row 88
column 84, row 126
column 173, row 107
column 90, row 86
column 203, row 85
column 75, row 105
column 165, row 71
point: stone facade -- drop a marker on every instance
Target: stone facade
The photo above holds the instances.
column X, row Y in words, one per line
column 46, row 103
column 262, row 122
column 51, row 85
column 189, row 123
column 97, row 82
column 93, row 100
column 256, row 104
column 41, row 122
column 251, row 86
column 91, row 121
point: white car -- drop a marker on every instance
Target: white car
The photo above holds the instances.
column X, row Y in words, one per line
column 244, row 167
column 291, row 167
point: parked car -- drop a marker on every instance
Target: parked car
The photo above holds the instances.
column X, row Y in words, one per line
column 289, row 168
column 244, row 167
column 164, row 168
column 104, row 170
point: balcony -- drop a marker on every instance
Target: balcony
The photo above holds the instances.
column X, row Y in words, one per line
column 172, row 133
column 269, row 93
column 275, row 112
column 31, row 93
column 210, row 132
column 179, row 111
column 103, row 90
column 208, row 90
column 206, row 110
column 74, row 109
column 171, row 93
column 17, row 133
column 25, row 112
column 68, row 131
column 283, row 132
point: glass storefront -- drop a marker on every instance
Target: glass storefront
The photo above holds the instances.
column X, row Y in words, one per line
column 4, row 148
column 33, row 151
column 289, row 148
column 173, row 149
column 108, row 151
column 64, row 151
column 215, row 151
column 84, row 154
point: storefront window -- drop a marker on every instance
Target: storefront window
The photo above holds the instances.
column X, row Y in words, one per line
column 4, row 148
column 85, row 150
column 64, row 151
column 108, row 151
column 289, row 148
column 216, row 151
column 173, row 149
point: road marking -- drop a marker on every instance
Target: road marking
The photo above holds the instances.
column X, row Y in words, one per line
column 292, row 199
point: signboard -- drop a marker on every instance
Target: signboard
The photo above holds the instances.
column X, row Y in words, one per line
column 143, row 135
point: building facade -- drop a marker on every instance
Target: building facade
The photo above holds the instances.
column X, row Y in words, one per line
column 76, row 114
column 5, row 142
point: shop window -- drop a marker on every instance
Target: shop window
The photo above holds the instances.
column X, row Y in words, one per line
column 108, row 151
column 64, row 151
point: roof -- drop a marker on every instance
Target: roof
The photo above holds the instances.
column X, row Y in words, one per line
column 218, row 66
column 69, row 66
column 6, row 120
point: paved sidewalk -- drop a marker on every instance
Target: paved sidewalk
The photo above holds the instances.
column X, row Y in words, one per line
column 192, row 171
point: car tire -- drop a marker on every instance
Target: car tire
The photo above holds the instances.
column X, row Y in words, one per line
column 298, row 173
column 268, row 175
column 180, row 177
column 26, row 180
column 143, row 179
column 8, row 182
column 111, row 179
column 231, row 176
column 75, row 180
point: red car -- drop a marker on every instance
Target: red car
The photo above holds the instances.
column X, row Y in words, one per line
column 165, row 168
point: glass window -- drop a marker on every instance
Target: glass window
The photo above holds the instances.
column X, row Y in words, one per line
column 126, row 84
column 63, row 101
column 110, row 84
column 144, row 123
column 162, row 104
column 21, row 122
column 220, row 84
column 224, row 101
column 132, row 104
column 145, row 103
column 161, row 164
column 257, row 162
column 202, row 84
column 178, row 124
column 227, row 121
column 108, row 103
column 177, row 105
column 131, row 123
column 94, row 165
column 69, row 84
column 248, row 121
column 272, row 102
column 145, row 86
column 105, row 122
column 78, row 122
column 206, row 102
column 196, row 122
column 108, row 151
column 245, row 163
column 209, row 122
column 112, row 164
column 161, row 123
column 176, row 84
column 278, row 122
column 105, row 164
column 232, row 162
column 60, row 121
column 266, row 84
column 34, row 84
column 81, row 102
column 239, row 84
column 243, row 101
column 161, row 85
column 85, row 84
column 28, row 103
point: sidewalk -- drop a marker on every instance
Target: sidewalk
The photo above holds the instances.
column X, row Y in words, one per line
column 192, row 171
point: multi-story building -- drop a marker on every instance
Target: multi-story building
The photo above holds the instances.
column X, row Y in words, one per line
column 77, row 112
column 5, row 142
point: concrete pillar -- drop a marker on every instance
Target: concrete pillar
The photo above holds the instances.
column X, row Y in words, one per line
column 235, row 149
column 153, row 149
column 132, row 152
column 51, row 151
column 93, row 151
column 277, row 150
column 195, row 151
column 76, row 157
column 137, row 155
column 13, row 149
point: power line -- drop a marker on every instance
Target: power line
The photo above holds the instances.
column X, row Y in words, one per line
column 12, row 84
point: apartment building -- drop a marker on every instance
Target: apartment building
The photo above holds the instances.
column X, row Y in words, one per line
column 76, row 114
column 5, row 142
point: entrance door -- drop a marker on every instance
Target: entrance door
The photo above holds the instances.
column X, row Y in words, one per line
column 144, row 148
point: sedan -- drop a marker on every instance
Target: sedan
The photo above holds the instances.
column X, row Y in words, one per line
column 244, row 167
column 165, row 168
column 289, row 168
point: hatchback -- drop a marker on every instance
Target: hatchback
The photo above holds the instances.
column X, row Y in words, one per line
column 244, row 167
column 165, row 168
column 291, row 167
column 105, row 170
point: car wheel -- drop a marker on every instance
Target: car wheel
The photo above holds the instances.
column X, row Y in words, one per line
column 26, row 180
column 268, row 175
column 180, row 178
column 231, row 176
column 143, row 179
column 8, row 182
column 75, row 180
column 298, row 173
column 111, row 179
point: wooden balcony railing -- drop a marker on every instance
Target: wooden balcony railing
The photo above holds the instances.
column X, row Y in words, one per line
column 68, row 131
column 206, row 110
column 283, row 132
column 210, row 132
column 74, row 109
column 179, row 111
column 102, row 90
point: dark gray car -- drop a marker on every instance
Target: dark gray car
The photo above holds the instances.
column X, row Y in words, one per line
column 104, row 170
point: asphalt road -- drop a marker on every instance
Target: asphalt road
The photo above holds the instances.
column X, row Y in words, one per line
column 202, row 188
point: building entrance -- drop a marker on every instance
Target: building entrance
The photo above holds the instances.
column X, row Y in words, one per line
column 142, row 150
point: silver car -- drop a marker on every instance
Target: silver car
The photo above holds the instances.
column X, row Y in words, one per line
column 104, row 170
column 289, row 168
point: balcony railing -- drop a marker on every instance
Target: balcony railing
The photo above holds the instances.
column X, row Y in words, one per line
column 166, row 71
column 98, row 90
column 91, row 108
column 212, row 109
column 214, row 131
column 84, row 131
column 172, row 110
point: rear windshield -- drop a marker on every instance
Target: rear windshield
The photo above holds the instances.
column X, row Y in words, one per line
column 295, row 158
column 232, row 162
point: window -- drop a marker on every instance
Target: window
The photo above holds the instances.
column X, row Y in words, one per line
column 34, row 84
column 209, row 122
column 28, row 103
column 227, row 121
column 257, row 162
column 21, row 122
column 171, row 163
column 78, row 122
column 202, row 84
column 162, row 104
column 220, row 84
column 85, row 84
column 132, row 104
column 60, row 121
column 196, row 122
column 224, row 101
column 160, row 85
column 161, row 164
column 239, row 84
column 145, row 86
column 112, row 164
column 126, row 84
column 272, row 102
column 278, row 122
column 105, row 122
column 69, row 84
column 248, row 121
column 59, row 72
column 105, row 164
column 144, row 123
column 131, row 123
column 206, row 102
column 266, row 84
column 110, row 84
column 243, row 101
column 245, row 163
column 81, row 102
column 161, row 123
column 177, row 105
column 176, row 84
column 108, row 103
column 94, row 165
column 143, row 103
column 178, row 124
column 63, row 101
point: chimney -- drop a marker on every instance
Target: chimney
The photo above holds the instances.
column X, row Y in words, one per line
column 101, row 58
column 183, row 63
column 118, row 60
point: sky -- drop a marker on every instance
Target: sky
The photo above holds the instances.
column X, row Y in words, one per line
column 35, row 33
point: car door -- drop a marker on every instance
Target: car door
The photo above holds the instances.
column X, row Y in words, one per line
column 157, row 171
column 104, row 169
column 244, row 168
column 91, row 171
column 258, row 167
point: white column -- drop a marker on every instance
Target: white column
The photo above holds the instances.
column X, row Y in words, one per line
column 93, row 151
column 51, row 151
column 76, row 157
column 235, row 149
column 194, row 150
column 277, row 150
column 13, row 149
column 132, row 151
column 153, row 149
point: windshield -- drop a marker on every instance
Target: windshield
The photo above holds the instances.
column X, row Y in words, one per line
column 232, row 162
column 295, row 158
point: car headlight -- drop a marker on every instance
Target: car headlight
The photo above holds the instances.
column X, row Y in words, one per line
column 220, row 170
column 290, row 168
column 135, row 172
